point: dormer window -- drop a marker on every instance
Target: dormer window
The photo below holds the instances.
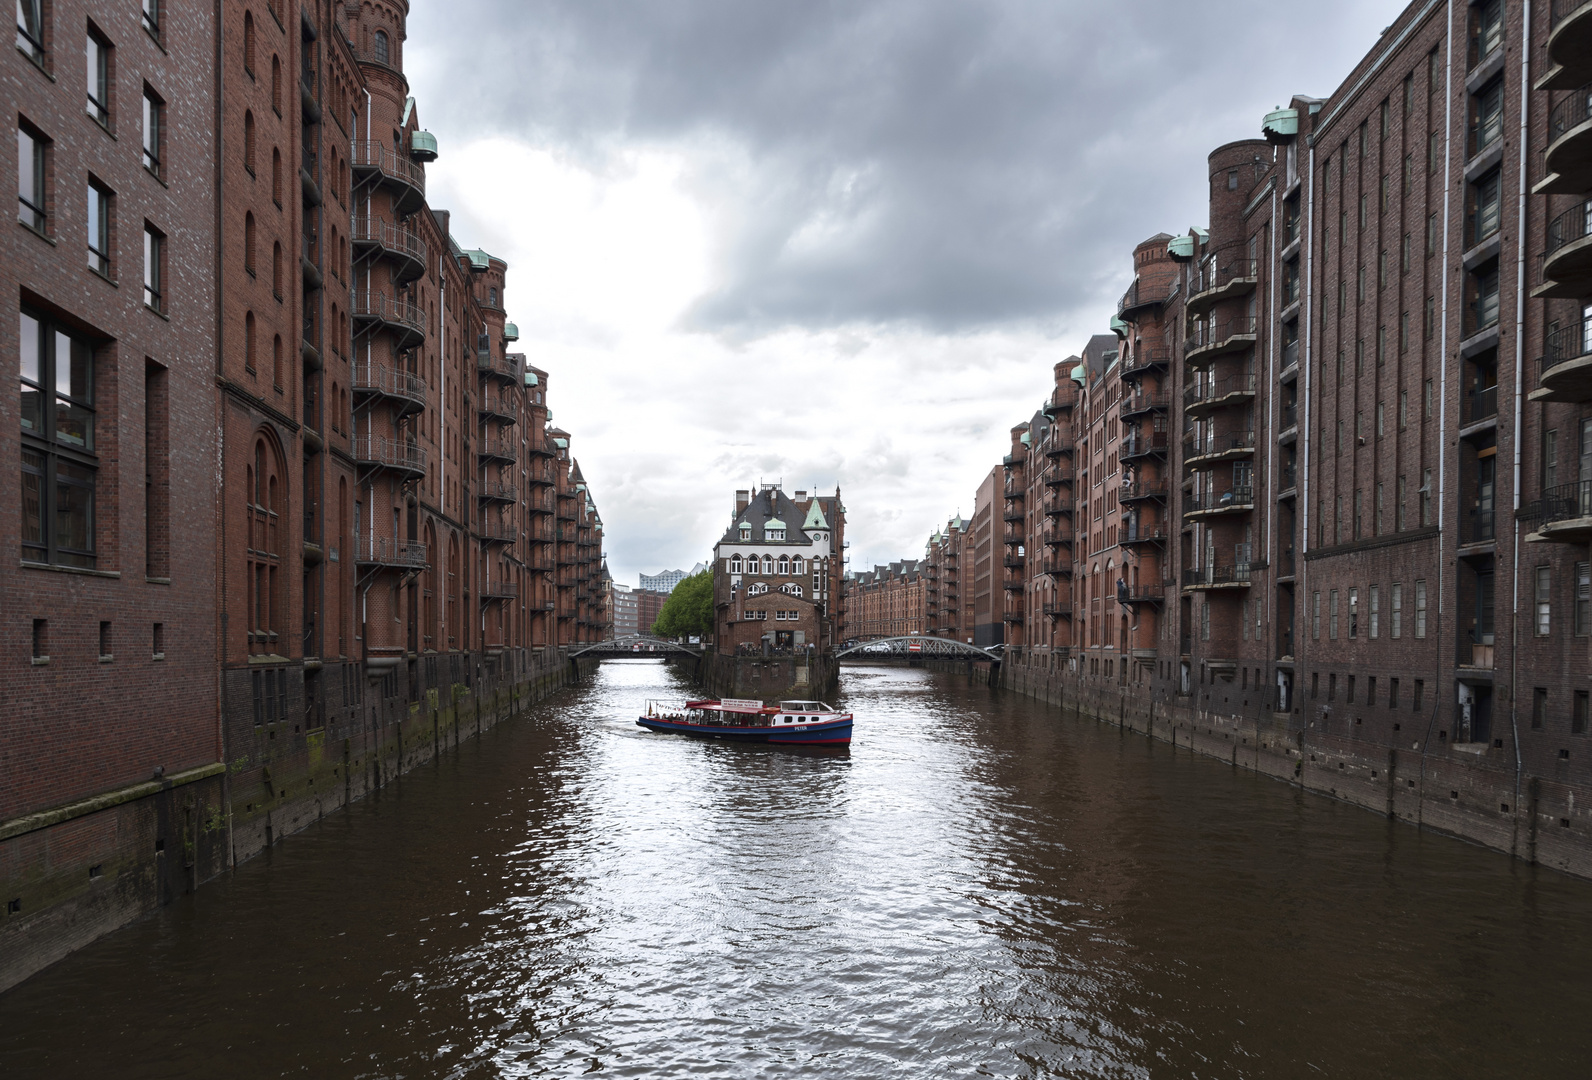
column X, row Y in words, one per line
column 776, row 534
column 746, row 533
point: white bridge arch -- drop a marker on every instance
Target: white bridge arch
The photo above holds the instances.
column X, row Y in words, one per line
column 917, row 647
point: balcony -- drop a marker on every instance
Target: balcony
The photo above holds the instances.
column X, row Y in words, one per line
column 373, row 162
column 1135, row 490
column 380, row 452
column 1141, row 594
column 1057, row 609
column 379, row 551
column 1205, row 578
column 491, row 449
column 1012, row 616
column 405, row 391
column 1057, row 534
column 1057, row 507
column 1060, row 443
column 1569, row 45
column 497, row 367
column 497, row 531
column 1480, row 403
column 1476, row 527
column 1014, row 460
column 1143, row 444
column 1140, row 298
column 1136, row 404
column 1058, row 475
column 403, row 248
column 1288, row 421
column 499, row 590
column 1012, row 562
column 1145, row 361
column 1215, row 503
column 1211, row 394
column 1056, row 568
column 1217, row 339
column 1013, row 514
column 378, row 311
column 1568, row 157
column 1567, row 364
column 1563, row 514
column 1058, row 408
column 1223, row 279
column 496, row 491
column 1567, row 259
column 499, row 407
column 1142, row 534
column 1238, row 444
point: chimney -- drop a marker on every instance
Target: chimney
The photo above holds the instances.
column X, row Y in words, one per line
column 743, row 499
column 800, row 495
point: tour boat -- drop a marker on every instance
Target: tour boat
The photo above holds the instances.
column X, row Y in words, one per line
column 808, row 723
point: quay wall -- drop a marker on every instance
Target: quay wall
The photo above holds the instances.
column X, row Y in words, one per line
column 75, row 872
column 809, row 675
column 1476, row 793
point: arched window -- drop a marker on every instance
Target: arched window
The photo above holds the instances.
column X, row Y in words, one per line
column 248, row 42
column 735, row 564
column 267, row 493
column 248, row 340
column 276, row 269
column 248, row 140
column 276, row 175
column 796, row 566
column 276, row 362
column 381, row 47
column 276, row 84
column 768, row 564
column 248, row 242
column 751, row 564
column 784, row 564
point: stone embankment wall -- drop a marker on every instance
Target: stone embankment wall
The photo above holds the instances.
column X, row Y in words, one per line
column 809, row 675
column 1477, row 793
column 76, row 872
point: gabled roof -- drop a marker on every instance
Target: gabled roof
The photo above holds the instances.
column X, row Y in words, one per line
column 769, row 510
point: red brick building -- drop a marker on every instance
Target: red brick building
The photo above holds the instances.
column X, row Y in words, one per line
column 263, row 343
column 887, row 601
column 777, row 573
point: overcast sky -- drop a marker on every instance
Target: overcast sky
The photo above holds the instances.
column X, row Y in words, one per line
column 830, row 243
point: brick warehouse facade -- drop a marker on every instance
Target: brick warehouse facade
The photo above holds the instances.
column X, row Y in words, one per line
column 778, row 581
column 887, row 601
column 1362, row 563
column 316, row 384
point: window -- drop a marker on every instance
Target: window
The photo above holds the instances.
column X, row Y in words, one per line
column 1382, row 120
column 99, row 229
column 1398, row 506
column 248, row 141
column 1482, row 208
column 248, row 42
column 265, row 488
column 248, row 341
column 1332, row 615
column 276, row 84
column 1349, row 691
column 154, row 268
column 1376, row 612
column 381, row 47
column 735, row 564
column 1420, row 612
column 1550, row 459
column 1315, row 617
column 1205, row 621
column 797, row 568
column 1539, row 707
column 1481, row 299
column 1583, row 599
column 1404, row 409
column 1487, row 30
column 1419, row 696
column 1578, row 716
column 152, row 22
column 768, row 565
column 154, row 130
column 31, row 189
column 1487, row 117
column 276, row 176
column 248, row 242
column 1332, row 687
column 276, row 269
column 59, row 468
column 1425, row 493
column 1396, row 601
column 1428, row 408
column 98, row 53
column 1392, row 693
column 1544, row 601
column 30, row 29
column 1354, row 613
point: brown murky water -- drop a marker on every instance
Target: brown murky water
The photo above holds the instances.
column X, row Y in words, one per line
column 978, row 888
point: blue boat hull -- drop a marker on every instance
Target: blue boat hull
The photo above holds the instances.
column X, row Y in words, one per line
column 833, row 733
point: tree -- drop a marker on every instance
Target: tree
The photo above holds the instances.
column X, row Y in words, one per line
column 689, row 609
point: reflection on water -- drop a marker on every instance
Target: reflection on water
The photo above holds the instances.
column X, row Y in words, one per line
column 978, row 887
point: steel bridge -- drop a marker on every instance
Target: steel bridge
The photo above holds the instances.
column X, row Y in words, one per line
column 635, row 645
column 916, row 647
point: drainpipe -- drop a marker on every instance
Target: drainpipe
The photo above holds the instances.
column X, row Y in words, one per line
column 1520, row 337
column 221, row 525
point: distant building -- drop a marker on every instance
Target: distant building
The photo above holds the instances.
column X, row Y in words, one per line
column 626, row 610
column 947, row 609
column 668, row 579
column 886, row 601
column 777, row 572
column 987, row 627
column 649, row 602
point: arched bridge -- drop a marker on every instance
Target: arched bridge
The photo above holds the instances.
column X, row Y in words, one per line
column 634, row 645
column 916, row 648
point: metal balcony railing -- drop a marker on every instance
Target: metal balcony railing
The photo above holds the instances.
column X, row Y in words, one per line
column 1139, row 295
column 1143, row 534
column 1481, row 404
column 1209, row 334
column 1562, row 503
column 1572, row 112
column 1012, row 561
column 1219, row 575
column 380, row 307
column 1567, row 343
column 1478, row 527
column 388, row 453
column 1214, row 389
column 500, row 590
column 1142, row 489
column 1572, row 225
column 1220, row 273
column 380, row 551
column 1140, row 403
column 1142, row 360
column 367, row 155
column 406, row 243
column 1233, row 498
column 1153, row 442
column 369, row 378
column 496, row 490
column 1057, row 609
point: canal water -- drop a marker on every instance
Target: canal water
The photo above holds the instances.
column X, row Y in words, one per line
column 979, row 887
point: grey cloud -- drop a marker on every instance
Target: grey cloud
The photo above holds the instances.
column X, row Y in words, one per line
column 951, row 164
